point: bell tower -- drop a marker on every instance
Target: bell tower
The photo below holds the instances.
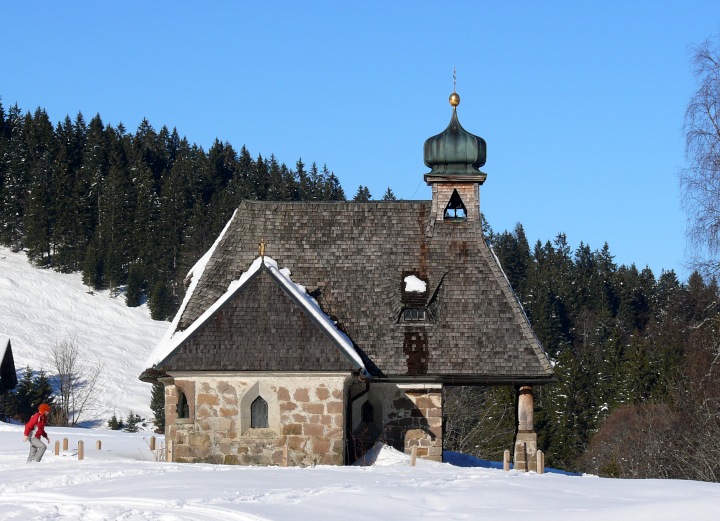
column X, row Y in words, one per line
column 454, row 157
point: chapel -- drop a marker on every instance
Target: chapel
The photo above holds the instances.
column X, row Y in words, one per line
column 311, row 331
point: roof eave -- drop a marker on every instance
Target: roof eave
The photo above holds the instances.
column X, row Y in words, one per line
column 451, row 379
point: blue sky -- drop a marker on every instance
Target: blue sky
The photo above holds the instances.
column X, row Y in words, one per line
column 581, row 103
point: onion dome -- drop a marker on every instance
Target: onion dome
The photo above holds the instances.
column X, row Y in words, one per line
column 455, row 151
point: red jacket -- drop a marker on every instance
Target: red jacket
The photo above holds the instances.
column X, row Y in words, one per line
column 37, row 422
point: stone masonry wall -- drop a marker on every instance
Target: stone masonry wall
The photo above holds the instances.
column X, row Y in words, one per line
column 412, row 417
column 306, row 413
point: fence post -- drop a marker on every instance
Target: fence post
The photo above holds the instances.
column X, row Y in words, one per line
column 540, row 462
column 152, row 443
column 81, row 450
column 98, row 445
column 65, row 444
column 413, row 456
column 57, row 447
column 506, row 461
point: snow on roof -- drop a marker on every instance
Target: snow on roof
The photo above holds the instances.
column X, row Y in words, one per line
column 312, row 307
column 414, row 284
column 161, row 350
column 173, row 339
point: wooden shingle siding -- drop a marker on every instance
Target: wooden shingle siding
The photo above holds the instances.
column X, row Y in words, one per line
column 261, row 329
column 352, row 257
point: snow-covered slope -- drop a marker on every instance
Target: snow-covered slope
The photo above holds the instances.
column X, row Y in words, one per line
column 40, row 308
column 122, row 481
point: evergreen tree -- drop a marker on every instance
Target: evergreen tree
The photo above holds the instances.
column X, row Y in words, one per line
column 16, row 182
column 389, row 195
column 259, row 181
column 334, row 191
column 134, row 292
column 161, row 303
column 32, row 390
column 157, row 405
column 93, row 266
column 20, row 401
column 42, row 390
column 69, row 238
column 304, row 182
column 362, row 195
column 90, row 179
column 149, row 150
column 133, row 421
column 114, row 424
column 315, row 190
column 513, row 251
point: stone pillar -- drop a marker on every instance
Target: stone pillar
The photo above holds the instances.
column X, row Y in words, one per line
column 526, row 439
column 419, row 421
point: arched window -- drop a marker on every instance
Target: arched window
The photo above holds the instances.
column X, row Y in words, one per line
column 259, row 414
column 183, row 408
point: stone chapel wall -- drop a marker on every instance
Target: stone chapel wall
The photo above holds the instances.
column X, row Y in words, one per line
column 306, row 413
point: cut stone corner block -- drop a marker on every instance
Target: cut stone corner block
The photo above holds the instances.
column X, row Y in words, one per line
column 526, row 452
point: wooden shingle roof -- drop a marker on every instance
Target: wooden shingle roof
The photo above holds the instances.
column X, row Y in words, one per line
column 353, row 259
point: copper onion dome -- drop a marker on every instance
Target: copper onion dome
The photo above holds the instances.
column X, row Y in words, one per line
column 455, row 151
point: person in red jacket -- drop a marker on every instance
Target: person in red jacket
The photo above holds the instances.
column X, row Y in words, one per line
column 34, row 430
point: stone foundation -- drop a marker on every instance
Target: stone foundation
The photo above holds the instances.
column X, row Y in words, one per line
column 304, row 413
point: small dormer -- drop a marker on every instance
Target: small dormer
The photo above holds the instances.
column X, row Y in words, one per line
column 414, row 295
column 455, row 157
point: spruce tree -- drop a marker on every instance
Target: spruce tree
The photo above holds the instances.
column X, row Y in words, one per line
column 161, row 303
column 333, row 191
column 134, row 292
column 90, row 179
column 362, row 195
column 93, row 267
column 132, row 422
column 15, row 183
column 303, row 180
column 389, row 195
column 157, row 405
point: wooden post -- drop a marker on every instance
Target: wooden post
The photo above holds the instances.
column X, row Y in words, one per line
column 506, row 461
column 413, row 456
column 285, row 456
column 65, row 444
column 540, row 462
column 57, row 447
column 152, row 443
column 98, row 445
column 81, row 450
